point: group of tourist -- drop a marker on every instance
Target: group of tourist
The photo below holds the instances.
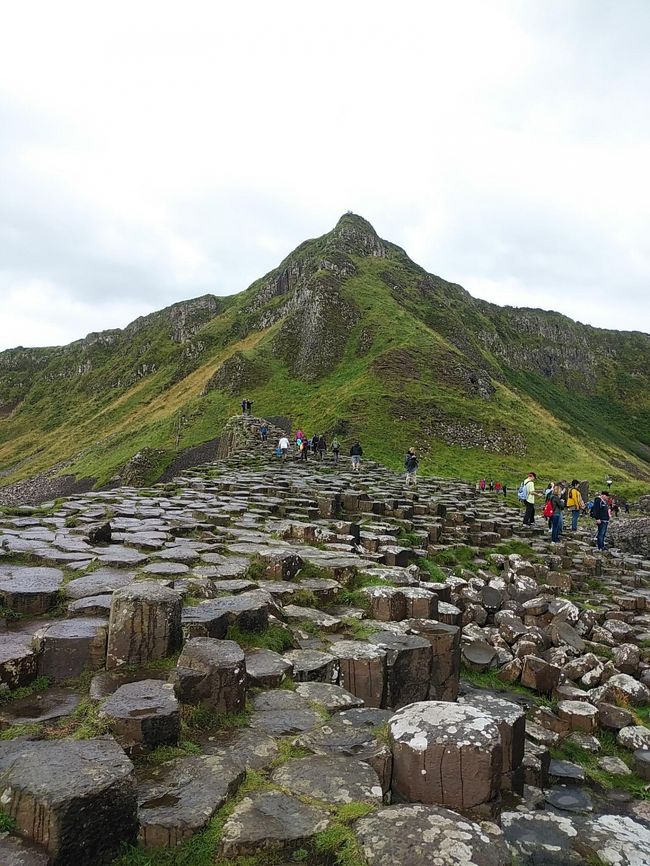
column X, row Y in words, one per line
column 492, row 486
column 561, row 496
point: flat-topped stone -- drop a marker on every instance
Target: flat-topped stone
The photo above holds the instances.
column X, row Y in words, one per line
column 267, row 669
column 419, row 835
column 69, row 647
column 330, row 779
column 77, row 798
column 271, row 820
column 213, row 673
column 144, row 714
column 100, row 582
column 29, row 591
column 177, row 799
column 447, row 754
column 145, row 624
column 332, row 697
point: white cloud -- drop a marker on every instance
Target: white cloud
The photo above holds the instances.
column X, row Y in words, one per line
column 153, row 151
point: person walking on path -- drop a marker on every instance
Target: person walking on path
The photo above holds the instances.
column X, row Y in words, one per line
column 600, row 511
column 264, row 432
column 303, row 449
column 243, row 407
column 555, row 501
column 299, row 437
column 322, row 446
column 315, row 439
column 356, row 452
column 505, row 490
column 527, row 496
column 336, row 448
column 411, row 466
column 575, row 503
column 283, row 445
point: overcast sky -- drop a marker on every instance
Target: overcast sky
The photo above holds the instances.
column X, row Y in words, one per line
column 155, row 151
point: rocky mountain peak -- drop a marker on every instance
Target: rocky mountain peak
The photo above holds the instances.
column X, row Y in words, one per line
column 354, row 234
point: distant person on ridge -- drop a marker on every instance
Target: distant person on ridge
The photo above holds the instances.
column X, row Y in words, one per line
column 336, row 447
column 411, row 466
column 243, row 407
column 356, row 452
column 249, row 407
column 527, row 496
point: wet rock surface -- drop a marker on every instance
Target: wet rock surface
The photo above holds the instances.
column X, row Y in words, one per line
column 266, row 637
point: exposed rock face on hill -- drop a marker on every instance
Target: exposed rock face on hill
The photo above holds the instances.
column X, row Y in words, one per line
column 329, row 664
column 346, row 333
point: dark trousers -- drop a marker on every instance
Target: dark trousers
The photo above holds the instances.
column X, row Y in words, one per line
column 529, row 514
column 602, row 532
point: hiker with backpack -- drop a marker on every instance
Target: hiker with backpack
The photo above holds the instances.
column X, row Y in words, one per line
column 600, row 513
column 526, row 494
column 575, row 504
column 336, row 448
column 553, row 509
column 411, row 466
column 356, row 453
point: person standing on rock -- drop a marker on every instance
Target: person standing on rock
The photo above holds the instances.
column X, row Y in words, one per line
column 283, row 445
column 336, row 447
column 527, row 496
column 505, row 490
column 315, row 439
column 264, row 432
column 411, row 466
column 575, row 503
column 249, row 407
column 243, row 407
column 555, row 500
column 299, row 437
column 304, row 447
column 600, row 511
column 356, row 452
column 322, row 446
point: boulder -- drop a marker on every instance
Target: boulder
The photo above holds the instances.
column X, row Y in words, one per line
column 539, row 675
column 266, row 669
column 409, row 661
column 579, row 715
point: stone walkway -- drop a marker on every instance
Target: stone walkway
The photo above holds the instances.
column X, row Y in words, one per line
column 299, row 647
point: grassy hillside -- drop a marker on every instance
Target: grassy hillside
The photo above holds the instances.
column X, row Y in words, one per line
column 347, row 335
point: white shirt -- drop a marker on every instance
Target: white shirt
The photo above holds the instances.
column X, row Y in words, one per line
column 284, row 442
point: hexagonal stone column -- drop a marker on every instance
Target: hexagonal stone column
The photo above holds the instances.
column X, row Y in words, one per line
column 409, row 667
column 579, row 715
column 69, row 647
column 445, row 664
column 145, row 624
column 212, row 672
column 363, row 670
column 18, row 661
column 29, row 591
column 143, row 715
column 77, row 798
column 444, row 753
column 511, row 721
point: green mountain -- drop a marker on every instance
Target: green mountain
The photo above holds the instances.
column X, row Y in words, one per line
column 346, row 335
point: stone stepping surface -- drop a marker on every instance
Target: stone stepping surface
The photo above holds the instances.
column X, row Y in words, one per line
column 284, row 609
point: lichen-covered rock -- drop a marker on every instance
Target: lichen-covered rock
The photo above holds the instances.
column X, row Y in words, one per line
column 213, row 673
column 363, row 670
column 419, row 835
column 445, row 754
column 143, row 715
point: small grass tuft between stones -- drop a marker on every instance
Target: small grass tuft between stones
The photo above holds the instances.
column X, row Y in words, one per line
column 37, row 685
column 273, row 637
column 202, row 718
column 7, row 823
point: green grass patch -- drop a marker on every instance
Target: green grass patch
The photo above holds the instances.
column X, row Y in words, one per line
column 570, row 751
column 201, row 718
column 432, row 571
column 458, row 555
column 7, row 823
column 490, row 680
column 162, row 754
column 273, row 637
column 37, row 685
